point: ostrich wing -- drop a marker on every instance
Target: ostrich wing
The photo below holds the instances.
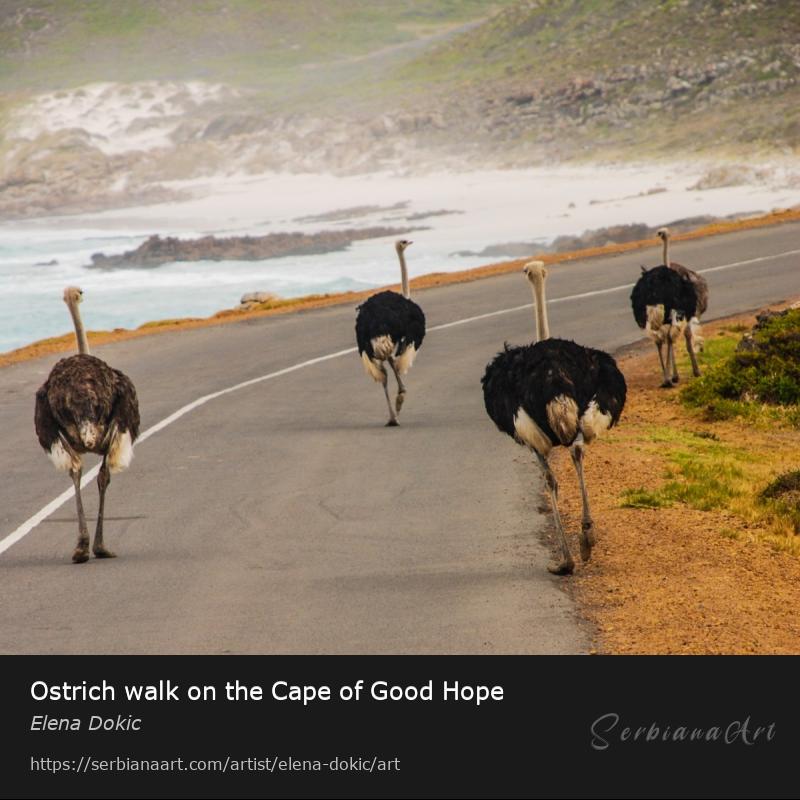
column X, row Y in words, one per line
column 43, row 420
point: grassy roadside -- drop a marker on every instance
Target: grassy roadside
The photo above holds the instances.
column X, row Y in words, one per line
column 699, row 549
column 65, row 343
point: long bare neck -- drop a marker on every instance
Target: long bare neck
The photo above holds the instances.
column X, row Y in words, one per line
column 540, row 309
column 666, row 251
column 80, row 333
column 404, row 274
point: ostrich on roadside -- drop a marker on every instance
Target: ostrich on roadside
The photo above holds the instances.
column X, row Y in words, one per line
column 664, row 302
column 554, row 393
column 389, row 329
column 694, row 338
column 85, row 406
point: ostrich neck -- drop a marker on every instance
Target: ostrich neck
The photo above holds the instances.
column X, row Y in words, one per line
column 404, row 275
column 666, row 251
column 80, row 333
column 540, row 309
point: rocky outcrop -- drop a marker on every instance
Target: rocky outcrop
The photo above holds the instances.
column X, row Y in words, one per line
column 157, row 250
column 257, row 300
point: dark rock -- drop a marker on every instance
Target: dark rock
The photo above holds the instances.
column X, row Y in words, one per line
column 157, row 250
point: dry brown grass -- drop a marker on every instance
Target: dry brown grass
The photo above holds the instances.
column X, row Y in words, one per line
column 679, row 579
column 65, row 343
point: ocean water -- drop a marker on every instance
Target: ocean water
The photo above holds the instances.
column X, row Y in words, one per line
column 493, row 207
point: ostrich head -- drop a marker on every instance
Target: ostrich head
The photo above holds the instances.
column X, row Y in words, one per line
column 535, row 274
column 73, row 295
column 535, row 271
column 663, row 234
column 401, row 244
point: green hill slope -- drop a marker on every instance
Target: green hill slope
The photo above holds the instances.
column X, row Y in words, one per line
column 47, row 44
column 657, row 76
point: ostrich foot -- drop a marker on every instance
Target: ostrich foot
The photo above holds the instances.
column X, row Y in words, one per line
column 666, row 385
column 566, row 567
column 81, row 554
column 102, row 552
column 675, row 380
column 587, row 541
column 401, row 396
column 392, row 423
column 696, row 373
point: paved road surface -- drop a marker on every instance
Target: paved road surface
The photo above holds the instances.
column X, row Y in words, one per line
column 284, row 518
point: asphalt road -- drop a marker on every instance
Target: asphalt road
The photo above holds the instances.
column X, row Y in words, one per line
column 284, row 518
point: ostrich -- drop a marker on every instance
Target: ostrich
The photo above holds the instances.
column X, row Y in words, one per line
column 664, row 303
column 85, row 406
column 390, row 328
column 553, row 393
column 692, row 332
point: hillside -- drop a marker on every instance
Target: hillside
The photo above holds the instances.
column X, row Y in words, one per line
column 102, row 102
column 652, row 77
column 60, row 44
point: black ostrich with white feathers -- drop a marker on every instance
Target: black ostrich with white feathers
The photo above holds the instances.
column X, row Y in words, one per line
column 664, row 304
column 668, row 302
column 86, row 406
column 390, row 328
column 555, row 393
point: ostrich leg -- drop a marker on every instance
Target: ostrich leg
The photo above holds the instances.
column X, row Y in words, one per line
column 689, row 334
column 587, row 524
column 667, row 384
column 81, row 552
column 103, row 479
column 671, row 360
column 401, row 389
column 392, row 416
column 566, row 565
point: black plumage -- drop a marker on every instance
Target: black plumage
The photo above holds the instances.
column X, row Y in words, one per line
column 389, row 314
column 532, row 376
column 698, row 282
column 666, row 287
column 665, row 305
column 554, row 393
column 390, row 328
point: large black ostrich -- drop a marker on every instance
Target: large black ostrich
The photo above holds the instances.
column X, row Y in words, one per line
column 85, row 406
column 664, row 304
column 691, row 332
column 554, row 393
column 390, row 328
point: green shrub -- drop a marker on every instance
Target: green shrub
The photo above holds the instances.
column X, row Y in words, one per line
column 766, row 371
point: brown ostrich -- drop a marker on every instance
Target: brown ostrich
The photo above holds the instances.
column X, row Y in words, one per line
column 85, row 406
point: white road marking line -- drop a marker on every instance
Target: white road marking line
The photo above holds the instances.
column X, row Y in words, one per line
column 54, row 505
column 597, row 292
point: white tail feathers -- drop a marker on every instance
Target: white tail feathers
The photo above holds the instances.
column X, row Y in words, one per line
column 120, row 452
column 62, row 459
column 404, row 361
column 383, row 347
column 562, row 416
column 373, row 369
column 529, row 433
